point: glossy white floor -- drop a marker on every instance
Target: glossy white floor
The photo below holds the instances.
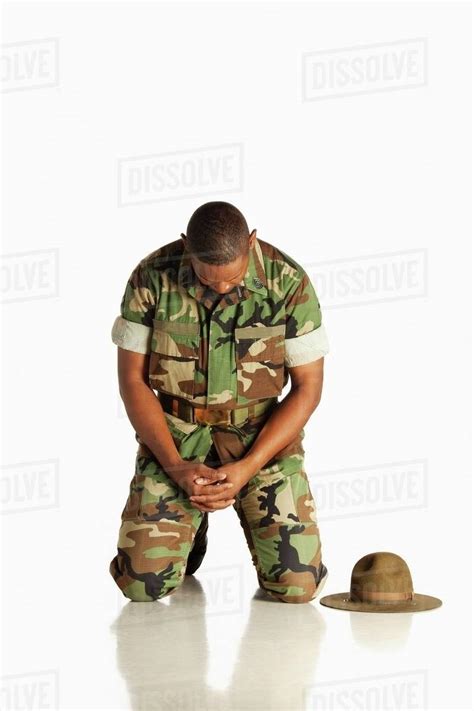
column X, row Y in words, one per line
column 74, row 642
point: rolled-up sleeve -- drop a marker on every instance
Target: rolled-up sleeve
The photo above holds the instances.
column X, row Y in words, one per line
column 132, row 328
column 131, row 336
column 306, row 339
column 306, row 348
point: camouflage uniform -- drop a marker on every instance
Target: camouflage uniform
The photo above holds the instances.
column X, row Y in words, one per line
column 220, row 352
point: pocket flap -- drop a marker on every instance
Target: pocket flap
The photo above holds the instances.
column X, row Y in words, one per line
column 259, row 331
column 260, row 343
column 187, row 329
column 179, row 343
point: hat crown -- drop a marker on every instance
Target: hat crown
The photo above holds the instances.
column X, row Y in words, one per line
column 381, row 577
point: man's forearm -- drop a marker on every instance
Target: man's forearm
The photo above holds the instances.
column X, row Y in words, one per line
column 281, row 428
column 146, row 415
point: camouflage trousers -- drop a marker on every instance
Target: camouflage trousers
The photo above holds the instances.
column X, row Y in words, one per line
column 275, row 507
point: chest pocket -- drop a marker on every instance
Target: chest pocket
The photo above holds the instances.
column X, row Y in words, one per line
column 173, row 357
column 259, row 355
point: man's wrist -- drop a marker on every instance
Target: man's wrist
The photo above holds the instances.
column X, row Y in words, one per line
column 252, row 464
column 172, row 465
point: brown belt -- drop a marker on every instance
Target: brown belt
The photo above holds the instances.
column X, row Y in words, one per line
column 237, row 416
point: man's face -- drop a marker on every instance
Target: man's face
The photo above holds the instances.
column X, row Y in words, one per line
column 221, row 278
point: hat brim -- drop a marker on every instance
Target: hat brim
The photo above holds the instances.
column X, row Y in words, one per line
column 342, row 601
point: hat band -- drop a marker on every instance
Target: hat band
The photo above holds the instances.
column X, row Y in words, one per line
column 374, row 596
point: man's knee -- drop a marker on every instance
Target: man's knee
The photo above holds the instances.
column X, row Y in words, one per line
column 138, row 592
column 296, row 587
column 293, row 592
column 146, row 586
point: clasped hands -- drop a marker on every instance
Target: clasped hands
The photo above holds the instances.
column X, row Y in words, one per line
column 211, row 489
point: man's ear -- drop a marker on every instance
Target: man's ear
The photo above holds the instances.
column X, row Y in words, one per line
column 252, row 238
column 184, row 238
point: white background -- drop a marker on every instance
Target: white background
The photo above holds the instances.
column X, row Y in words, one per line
column 339, row 178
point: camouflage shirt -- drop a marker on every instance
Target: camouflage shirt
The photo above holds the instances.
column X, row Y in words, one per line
column 220, row 352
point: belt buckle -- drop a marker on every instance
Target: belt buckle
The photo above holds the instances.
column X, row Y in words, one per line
column 210, row 417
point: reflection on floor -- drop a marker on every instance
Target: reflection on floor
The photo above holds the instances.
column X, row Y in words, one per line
column 187, row 654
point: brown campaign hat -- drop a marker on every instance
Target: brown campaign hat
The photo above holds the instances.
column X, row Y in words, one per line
column 381, row 582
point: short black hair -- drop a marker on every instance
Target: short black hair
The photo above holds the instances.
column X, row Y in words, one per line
column 217, row 233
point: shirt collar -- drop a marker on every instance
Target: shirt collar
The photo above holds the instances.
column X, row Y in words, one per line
column 254, row 279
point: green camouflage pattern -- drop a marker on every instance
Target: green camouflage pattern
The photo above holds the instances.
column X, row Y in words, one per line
column 232, row 355
column 275, row 508
column 220, row 352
